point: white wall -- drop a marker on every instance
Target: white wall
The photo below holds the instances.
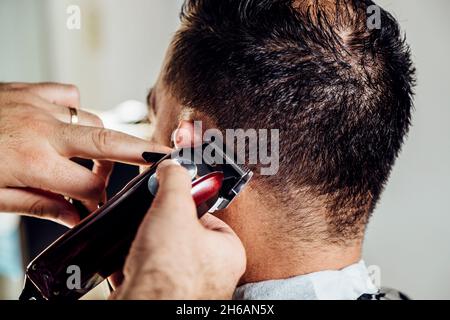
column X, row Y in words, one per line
column 409, row 236
column 22, row 47
column 117, row 53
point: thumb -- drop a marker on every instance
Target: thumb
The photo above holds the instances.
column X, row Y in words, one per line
column 39, row 204
column 174, row 192
column 172, row 208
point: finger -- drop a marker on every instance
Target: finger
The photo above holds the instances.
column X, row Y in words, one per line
column 39, row 204
column 63, row 114
column 102, row 144
column 174, row 193
column 65, row 177
column 57, row 93
column 103, row 170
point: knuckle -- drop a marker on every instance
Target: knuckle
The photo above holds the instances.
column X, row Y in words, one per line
column 74, row 91
column 36, row 122
column 103, row 140
column 38, row 208
column 96, row 121
column 26, row 110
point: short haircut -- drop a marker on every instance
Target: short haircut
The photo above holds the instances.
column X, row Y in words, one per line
column 340, row 93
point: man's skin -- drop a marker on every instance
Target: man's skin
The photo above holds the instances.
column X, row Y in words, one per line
column 270, row 255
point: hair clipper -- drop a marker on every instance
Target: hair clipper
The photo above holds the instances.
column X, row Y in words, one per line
column 99, row 244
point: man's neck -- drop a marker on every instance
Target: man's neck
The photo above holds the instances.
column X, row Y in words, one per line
column 274, row 252
column 270, row 264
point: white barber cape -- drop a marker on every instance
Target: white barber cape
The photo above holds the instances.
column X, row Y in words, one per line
column 345, row 284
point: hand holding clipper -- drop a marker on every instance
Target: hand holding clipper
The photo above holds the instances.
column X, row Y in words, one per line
column 99, row 245
column 177, row 256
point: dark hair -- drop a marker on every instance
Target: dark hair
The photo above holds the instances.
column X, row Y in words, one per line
column 340, row 93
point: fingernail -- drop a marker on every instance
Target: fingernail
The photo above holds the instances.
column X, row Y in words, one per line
column 152, row 157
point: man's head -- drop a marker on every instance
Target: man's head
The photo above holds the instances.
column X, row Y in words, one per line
column 340, row 94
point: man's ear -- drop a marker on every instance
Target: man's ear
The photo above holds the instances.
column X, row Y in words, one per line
column 187, row 135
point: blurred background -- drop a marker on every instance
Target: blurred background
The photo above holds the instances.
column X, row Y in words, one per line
column 115, row 56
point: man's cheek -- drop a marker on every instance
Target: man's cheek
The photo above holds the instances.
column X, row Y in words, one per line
column 162, row 135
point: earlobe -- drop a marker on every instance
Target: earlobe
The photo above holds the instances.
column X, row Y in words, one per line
column 186, row 135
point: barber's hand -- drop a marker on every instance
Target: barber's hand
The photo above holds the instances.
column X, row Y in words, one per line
column 36, row 143
column 176, row 256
